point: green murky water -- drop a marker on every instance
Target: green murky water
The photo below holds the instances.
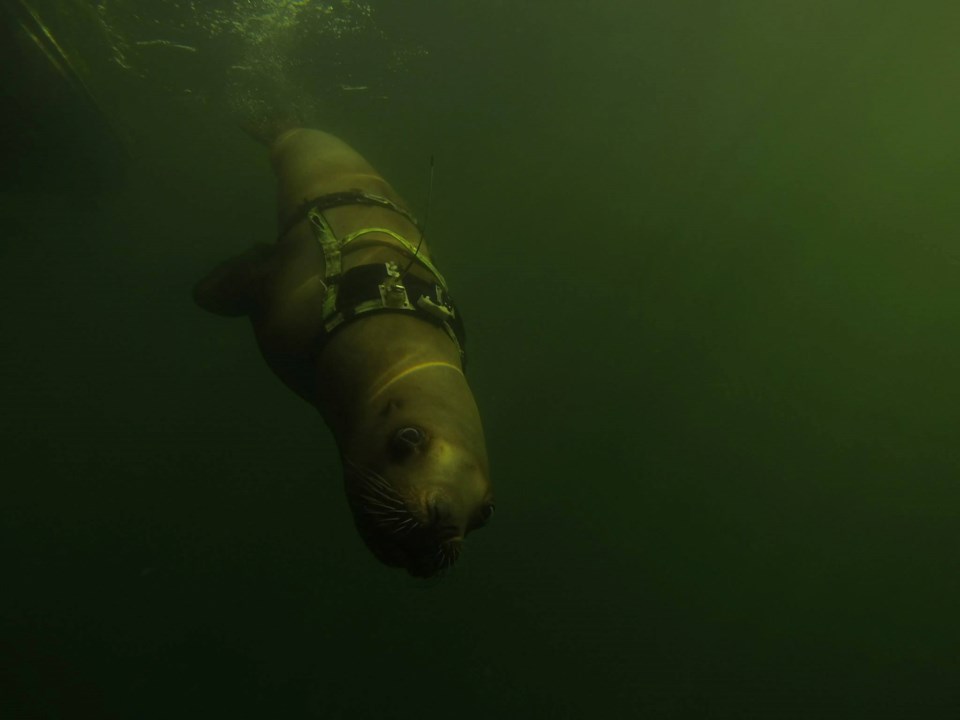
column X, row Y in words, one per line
column 709, row 261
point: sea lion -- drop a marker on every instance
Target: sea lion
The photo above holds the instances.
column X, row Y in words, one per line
column 351, row 314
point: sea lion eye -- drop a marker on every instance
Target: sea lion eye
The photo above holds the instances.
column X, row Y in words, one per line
column 407, row 440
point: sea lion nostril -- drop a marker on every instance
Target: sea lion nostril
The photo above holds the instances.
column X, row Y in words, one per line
column 440, row 517
column 486, row 512
column 436, row 512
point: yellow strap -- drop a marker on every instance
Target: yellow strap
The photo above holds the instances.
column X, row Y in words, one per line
column 383, row 385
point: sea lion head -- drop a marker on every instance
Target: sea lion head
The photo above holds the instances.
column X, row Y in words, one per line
column 417, row 476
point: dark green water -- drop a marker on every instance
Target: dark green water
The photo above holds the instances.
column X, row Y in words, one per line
column 708, row 256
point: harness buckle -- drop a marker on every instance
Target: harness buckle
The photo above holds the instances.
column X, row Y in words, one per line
column 440, row 312
column 393, row 294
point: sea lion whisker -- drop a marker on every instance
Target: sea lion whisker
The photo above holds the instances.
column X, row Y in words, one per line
column 388, row 521
column 381, row 488
column 375, row 482
column 385, row 492
column 366, row 494
column 371, row 476
column 367, row 473
column 378, row 489
column 384, row 516
column 389, row 497
column 382, row 511
column 377, row 502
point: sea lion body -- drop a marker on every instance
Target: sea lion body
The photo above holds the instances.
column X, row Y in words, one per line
column 390, row 385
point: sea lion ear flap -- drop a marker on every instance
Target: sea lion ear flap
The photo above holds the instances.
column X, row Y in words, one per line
column 233, row 288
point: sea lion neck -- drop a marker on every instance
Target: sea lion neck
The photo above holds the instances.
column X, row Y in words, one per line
column 368, row 361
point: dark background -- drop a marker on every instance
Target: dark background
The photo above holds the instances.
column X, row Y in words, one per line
column 709, row 262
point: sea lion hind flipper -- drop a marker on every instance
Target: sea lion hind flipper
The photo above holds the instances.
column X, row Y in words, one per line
column 234, row 287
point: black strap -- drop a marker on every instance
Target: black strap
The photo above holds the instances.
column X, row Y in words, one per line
column 361, row 285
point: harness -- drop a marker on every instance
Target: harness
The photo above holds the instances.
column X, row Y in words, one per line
column 379, row 287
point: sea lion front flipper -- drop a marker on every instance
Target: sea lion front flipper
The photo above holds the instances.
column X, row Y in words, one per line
column 234, row 287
